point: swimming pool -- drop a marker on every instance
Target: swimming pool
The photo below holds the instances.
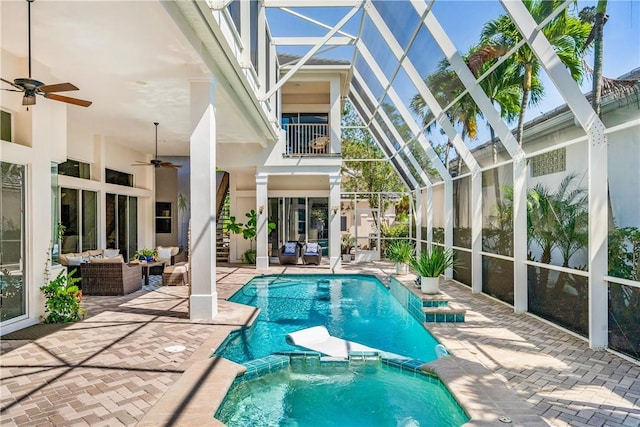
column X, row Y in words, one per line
column 353, row 307
column 313, row 393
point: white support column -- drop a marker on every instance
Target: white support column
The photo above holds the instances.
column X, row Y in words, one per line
column 335, row 115
column 476, row 231
column 262, row 208
column 448, row 220
column 418, row 215
column 429, row 216
column 262, row 50
column 334, row 220
column 245, row 32
column 520, row 281
column 597, row 166
column 202, row 254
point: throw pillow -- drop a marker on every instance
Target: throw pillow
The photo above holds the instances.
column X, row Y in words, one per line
column 164, row 253
column 312, row 249
column 74, row 260
column 290, row 248
column 111, row 253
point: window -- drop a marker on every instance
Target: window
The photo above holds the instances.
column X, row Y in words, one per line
column 12, row 241
column 118, row 178
column 75, row 168
column 163, row 217
column 5, row 126
column 548, row 163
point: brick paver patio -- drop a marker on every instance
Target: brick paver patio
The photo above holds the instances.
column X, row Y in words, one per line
column 112, row 368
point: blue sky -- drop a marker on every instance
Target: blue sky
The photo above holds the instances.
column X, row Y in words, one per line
column 463, row 21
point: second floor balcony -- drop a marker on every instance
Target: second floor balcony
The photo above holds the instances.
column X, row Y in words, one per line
column 311, row 139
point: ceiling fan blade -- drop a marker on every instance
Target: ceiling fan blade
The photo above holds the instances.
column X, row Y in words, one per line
column 67, row 99
column 142, row 164
column 58, row 87
column 12, row 84
column 171, row 165
column 12, row 90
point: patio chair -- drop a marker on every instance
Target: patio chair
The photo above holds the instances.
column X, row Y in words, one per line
column 289, row 253
column 312, row 253
column 319, row 144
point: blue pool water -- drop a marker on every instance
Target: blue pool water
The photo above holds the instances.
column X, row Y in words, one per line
column 355, row 308
column 333, row 394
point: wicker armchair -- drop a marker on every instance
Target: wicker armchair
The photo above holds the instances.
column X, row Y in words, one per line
column 289, row 253
column 114, row 278
column 312, row 253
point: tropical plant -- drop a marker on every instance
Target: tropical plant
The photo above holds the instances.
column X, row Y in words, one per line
column 433, row 263
column 559, row 219
column 249, row 231
column 565, row 33
column 624, row 253
column 63, row 299
column 347, row 243
column 400, row 251
column 183, row 205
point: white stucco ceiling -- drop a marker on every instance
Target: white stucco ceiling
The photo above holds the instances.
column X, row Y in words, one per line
column 129, row 58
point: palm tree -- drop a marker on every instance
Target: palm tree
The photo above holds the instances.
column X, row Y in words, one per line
column 445, row 87
column 565, row 33
column 598, row 17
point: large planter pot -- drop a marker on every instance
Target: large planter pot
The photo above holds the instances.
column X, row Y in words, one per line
column 346, row 257
column 402, row 268
column 429, row 285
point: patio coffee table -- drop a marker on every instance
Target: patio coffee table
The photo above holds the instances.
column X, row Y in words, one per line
column 146, row 266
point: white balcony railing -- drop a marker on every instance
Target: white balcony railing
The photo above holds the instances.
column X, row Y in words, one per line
column 307, row 140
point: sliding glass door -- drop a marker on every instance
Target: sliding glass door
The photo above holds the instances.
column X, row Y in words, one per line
column 122, row 224
column 78, row 216
column 299, row 219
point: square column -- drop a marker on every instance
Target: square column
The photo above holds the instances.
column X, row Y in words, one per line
column 202, row 252
column 262, row 209
column 335, row 190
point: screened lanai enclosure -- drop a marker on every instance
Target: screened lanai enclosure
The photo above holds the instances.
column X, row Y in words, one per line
column 541, row 207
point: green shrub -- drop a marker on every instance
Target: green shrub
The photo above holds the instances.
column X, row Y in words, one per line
column 63, row 299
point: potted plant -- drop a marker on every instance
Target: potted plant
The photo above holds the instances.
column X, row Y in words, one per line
column 348, row 242
column 400, row 252
column 145, row 254
column 249, row 231
column 429, row 265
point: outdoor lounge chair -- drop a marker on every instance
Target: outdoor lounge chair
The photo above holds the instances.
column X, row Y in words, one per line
column 289, row 253
column 312, row 253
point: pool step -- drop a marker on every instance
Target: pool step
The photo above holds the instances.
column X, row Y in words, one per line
column 443, row 314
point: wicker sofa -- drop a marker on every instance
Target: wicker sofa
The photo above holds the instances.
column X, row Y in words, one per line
column 110, row 278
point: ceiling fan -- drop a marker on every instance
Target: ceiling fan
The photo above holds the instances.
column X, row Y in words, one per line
column 32, row 87
column 155, row 162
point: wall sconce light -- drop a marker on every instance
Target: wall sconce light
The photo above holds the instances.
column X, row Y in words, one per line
column 335, row 209
column 261, row 209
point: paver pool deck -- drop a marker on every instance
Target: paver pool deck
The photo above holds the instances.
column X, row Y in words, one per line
column 112, row 368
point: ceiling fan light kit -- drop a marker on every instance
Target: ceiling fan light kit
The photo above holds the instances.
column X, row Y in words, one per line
column 31, row 87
